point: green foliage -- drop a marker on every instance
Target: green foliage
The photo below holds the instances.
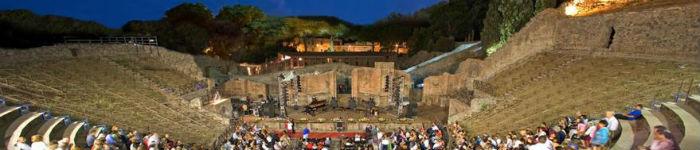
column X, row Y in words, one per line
column 394, row 29
column 241, row 14
column 432, row 29
column 505, row 17
column 246, row 33
column 189, row 13
column 22, row 28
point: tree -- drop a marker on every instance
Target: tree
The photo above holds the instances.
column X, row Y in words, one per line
column 23, row 29
column 186, row 28
column 505, row 17
column 189, row 13
column 241, row 14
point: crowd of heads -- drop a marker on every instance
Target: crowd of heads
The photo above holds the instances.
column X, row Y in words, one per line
column 578, row 131
column 433, row 137
column 571, row 132
column 247, row 136
column 101, row 138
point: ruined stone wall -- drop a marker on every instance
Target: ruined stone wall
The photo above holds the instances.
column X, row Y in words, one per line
column 539, row 37
column 188, row 64
column 458, row 110
column 437, row 88
column 668, row 32
column 671, row 32
column 244, row 88
column 371, row 82
column 322, row 86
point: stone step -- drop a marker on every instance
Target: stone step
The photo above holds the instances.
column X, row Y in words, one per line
column 626, row 140
column 652, row 120
column 4, row 110
column 72, row 131
column 48, row 126
column 693, row 102
column 690, row 126
column 15, row 129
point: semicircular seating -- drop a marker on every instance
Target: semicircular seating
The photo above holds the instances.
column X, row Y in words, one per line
column 626, row 140
column 652, row 121
column 690, row 126
column 16, row 124
column 46, row 129
column 15, row 129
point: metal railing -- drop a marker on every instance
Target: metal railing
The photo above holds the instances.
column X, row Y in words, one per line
column 142, row 40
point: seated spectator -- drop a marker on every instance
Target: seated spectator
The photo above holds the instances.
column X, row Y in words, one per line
column 21, row 145
column 635, row 114
column 38, row 144
column 63, row 144
column 540, row 145
column 663, row 140
column 612, row 123
column 602, row 135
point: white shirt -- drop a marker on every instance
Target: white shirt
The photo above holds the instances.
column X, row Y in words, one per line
column 153, row 140
column 509, row 143
column 426, row 143
column 517, row 143
column 385, row 141
column 591, row 131
column 549, row 144
column 22, row 146
column 39, row 146
column 539, row 146
column 612, row 123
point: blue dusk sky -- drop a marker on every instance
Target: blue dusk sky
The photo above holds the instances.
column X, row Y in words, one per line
column 114, row 13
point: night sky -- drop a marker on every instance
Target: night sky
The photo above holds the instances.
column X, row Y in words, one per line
column 114, row 13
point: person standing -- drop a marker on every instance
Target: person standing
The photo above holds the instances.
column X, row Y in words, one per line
column 290, row 126
column 306, row 133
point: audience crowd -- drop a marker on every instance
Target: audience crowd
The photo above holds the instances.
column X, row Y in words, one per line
column 255, row 137
column 569, row 133
column 100, row 138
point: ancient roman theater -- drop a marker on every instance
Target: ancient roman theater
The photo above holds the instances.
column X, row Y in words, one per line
column 582, row 74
